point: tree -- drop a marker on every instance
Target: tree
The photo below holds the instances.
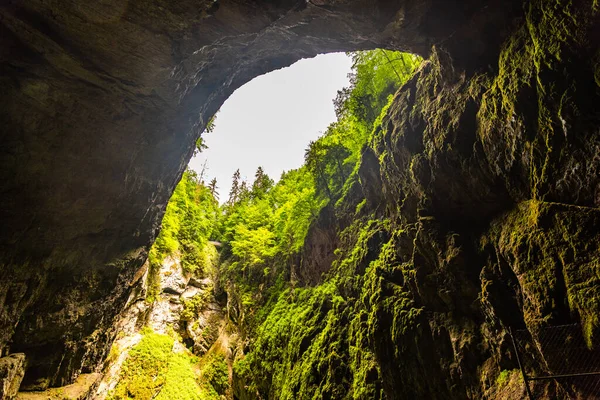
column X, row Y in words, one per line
column 234, row 193
column 263, row 228
column 210, row 127
column 376, row 74
column 244, row 191
column 262, row 183
column 212, row 186
column 314, row 159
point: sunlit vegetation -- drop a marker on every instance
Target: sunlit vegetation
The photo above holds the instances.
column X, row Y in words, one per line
column 296, row 333
column 188, row 224
column 376, row 76
column 263, row 226
column 155, row 369
column 263, row 229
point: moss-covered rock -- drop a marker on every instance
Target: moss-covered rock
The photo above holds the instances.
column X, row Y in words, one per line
column 553, row 250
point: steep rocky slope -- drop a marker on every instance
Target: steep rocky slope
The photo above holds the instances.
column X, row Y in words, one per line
column 184, row 309
column 475, row 210
column 100, row 108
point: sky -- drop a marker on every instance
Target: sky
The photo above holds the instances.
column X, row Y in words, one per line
column 270, row 120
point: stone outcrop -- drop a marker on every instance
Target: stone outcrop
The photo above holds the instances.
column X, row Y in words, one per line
column 185, row 304
column 12, row 370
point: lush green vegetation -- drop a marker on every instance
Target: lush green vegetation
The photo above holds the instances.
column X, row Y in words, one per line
column 404, row 294
column 188, row 223
column 152, row 370
column 263, row 226
column 215, row 374
column 263, row 230
column 376, row 75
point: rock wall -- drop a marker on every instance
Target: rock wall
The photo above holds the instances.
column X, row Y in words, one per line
column 12, row 369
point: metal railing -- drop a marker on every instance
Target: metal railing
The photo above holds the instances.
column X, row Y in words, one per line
column 559, row 354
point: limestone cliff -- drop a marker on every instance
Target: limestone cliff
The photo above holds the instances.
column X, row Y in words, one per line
column 185, row 308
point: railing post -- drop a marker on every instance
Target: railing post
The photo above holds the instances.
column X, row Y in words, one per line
column 520, row 365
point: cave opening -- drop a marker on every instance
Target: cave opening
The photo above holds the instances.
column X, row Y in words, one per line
column 269, row 121
column 115, row 96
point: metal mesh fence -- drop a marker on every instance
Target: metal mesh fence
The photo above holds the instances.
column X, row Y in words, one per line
column 558, row 363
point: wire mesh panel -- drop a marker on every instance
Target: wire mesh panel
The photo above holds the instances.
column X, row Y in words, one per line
column 560, row 355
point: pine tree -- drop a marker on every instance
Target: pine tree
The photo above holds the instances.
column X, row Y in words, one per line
column 212, row 186
column 244, row 191
column 262, row 183
column 234, row 193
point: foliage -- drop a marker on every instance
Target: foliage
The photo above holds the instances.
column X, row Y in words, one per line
column 192, row 307
column 263, row 227
column 153, row 371
column 210, row 127
column 262, row 230
column 300, row 347
column 187, row 225
column 300, row 342
column 376, row 75
column 320, row 342
column 215, row 373
column 295, row 342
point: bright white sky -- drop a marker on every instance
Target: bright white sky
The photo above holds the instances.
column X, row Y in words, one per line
column 269, row 121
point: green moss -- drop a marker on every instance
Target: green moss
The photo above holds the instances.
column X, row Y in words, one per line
column 299, row 350
column 215, row 374
column 153, row 371
column 505, row 377
column 325, row 342
column 153, row 277
column 192, row 307
column 144, row 372
column 553, row 248
column 384, row 298
column 355, row 245
column 359, row 207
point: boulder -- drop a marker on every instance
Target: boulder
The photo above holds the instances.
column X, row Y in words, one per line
column 12, row 370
